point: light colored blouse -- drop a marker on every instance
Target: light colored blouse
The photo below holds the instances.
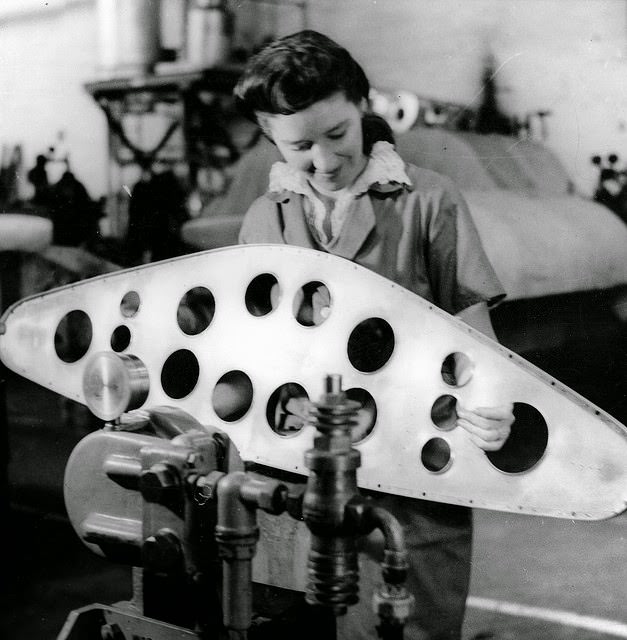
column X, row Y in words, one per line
column 414, row 229
column 384, row 166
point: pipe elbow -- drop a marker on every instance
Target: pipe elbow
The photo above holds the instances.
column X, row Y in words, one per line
column 390, row 527
column 235, row 516
column 395, row 557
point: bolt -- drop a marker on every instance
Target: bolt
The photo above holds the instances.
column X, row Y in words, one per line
column 159, row 480
column 333, row 383
column 272, row 498
column 161, row 475
column 196, row 459
column 162, row 551
column 111, row 632
column 394, row 604
column 205, row 487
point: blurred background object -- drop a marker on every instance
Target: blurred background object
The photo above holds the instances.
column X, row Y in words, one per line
column 611, row 190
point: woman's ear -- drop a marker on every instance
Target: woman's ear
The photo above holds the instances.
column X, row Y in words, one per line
column 364, row 106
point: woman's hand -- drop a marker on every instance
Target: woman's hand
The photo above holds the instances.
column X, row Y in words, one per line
column 489, row 427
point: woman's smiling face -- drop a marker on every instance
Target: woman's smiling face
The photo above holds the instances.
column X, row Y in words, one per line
column 324, row 141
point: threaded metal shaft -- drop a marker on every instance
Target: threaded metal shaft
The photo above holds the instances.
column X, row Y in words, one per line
column 333, row 463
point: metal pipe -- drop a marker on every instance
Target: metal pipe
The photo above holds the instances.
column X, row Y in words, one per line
column 237, row 534
column 239, row 496
column 391, row 601
column 100, row 528
column 389, row 526
column 124, row 470
column 395, row 563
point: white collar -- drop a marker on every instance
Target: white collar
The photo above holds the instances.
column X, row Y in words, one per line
column 384, row 167
column 384, row 172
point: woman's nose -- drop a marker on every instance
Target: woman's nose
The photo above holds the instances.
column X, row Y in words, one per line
column 323, row 158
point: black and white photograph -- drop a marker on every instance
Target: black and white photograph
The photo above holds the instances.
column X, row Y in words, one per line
column 313, row 319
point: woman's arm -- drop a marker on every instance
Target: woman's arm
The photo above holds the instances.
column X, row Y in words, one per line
column 478, row 317
column 489, row 427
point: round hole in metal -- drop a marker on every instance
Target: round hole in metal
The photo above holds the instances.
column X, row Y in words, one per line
column 130, row 303
column 195, row 311
column 232, row 396
column 179, row 374
column 366, row 414
column 312, row 304
column 370, row 345
column 436, row 455
column 262, row 295
column 120, row 338
column 73, row 336
column 457, row 369
column 526, row 444
column 287, row 410
column 444, row 412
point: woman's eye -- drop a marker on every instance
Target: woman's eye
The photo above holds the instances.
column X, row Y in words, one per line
column 336, row 136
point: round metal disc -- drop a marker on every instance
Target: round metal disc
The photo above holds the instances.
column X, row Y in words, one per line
column 114, row 383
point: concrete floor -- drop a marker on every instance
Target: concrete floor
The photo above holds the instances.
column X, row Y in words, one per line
column 554, row 567
column 49, row 573
column 534, row 568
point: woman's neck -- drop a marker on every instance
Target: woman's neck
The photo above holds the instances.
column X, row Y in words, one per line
column 328, row 196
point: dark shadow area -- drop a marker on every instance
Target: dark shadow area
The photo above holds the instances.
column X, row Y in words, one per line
column 48, row 573
column 578, row 339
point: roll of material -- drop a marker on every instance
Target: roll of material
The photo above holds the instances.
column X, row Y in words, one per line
column 128, row 36
column 21, row 232
column 404, row 113
column 400, row 108
column 114, row 383
column 207, row 38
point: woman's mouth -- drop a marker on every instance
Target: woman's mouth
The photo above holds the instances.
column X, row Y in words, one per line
column 327, row 175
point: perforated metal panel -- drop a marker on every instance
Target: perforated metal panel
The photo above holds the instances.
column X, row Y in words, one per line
column 566, row 458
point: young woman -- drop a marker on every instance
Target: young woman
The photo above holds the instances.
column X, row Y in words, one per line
column 343, row 189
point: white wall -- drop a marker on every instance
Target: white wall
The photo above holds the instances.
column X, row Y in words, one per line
column 567, row 56
column 46, row 56
column 576, row 67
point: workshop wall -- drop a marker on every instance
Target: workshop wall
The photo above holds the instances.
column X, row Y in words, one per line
column 568, row 58
column 564, row 57
column 46, row 56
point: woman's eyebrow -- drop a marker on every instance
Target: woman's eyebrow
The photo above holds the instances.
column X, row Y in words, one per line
column 336, row 127
column 333, row 129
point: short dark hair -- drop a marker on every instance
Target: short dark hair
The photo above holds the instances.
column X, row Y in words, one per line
column 293, row 72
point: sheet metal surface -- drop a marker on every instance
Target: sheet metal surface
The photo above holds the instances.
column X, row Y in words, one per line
column 582, row 473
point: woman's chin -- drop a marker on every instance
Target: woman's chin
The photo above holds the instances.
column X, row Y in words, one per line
column 332, row 182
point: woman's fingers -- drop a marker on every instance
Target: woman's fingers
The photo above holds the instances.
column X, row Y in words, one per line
column 485, row 445
column 501, row 412
column 489, row 427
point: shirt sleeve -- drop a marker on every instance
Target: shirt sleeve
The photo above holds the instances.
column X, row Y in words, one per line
column 460, row 273
column 261, row 223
